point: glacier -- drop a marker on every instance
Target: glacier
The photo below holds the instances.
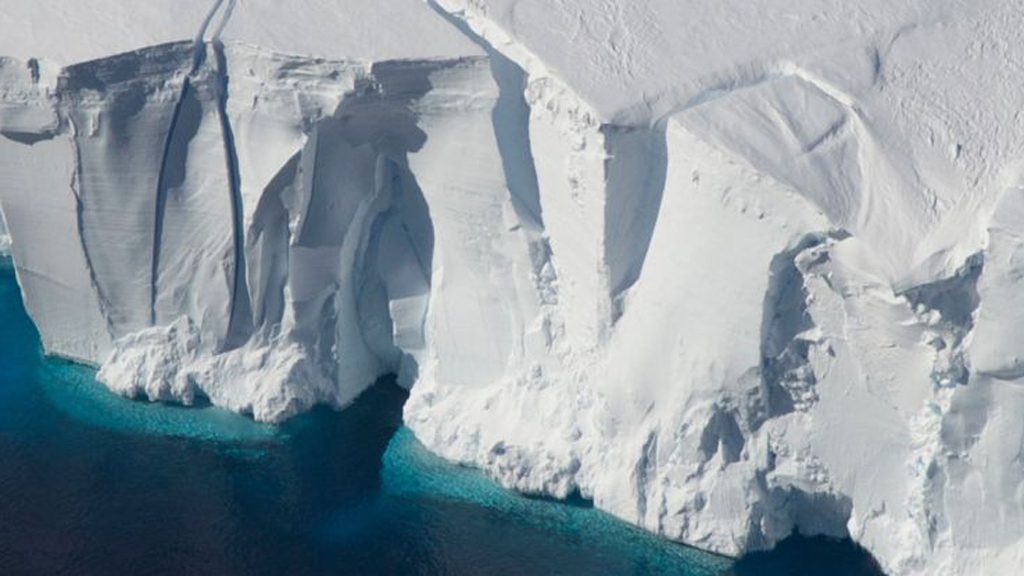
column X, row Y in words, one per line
column 728, row 271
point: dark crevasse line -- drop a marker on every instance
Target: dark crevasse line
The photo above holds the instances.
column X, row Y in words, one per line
column 198, row 58
column 199, row 43
column 240, row 320
column 161, row 192
column 76, row 178
column 511, row 119
column 228, row 11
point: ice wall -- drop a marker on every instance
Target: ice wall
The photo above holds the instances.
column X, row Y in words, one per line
column 5, row 239
column 777, row 293
column 237, row 247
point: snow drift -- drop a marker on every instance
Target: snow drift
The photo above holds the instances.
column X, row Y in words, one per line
column 726, row 289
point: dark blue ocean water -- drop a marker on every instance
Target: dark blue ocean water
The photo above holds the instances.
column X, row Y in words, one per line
column 91, row 483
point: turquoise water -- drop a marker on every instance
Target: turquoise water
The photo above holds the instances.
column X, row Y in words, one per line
column 91, row 483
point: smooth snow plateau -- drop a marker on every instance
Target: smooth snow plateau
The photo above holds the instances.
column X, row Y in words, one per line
column 728, row 269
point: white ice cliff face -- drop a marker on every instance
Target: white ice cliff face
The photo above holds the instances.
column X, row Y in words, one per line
column 725, row 288
column 5, row 239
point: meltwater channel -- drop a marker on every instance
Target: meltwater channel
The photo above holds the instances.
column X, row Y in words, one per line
column 92, row 483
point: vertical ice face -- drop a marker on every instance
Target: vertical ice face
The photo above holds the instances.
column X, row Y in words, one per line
column 40, row 203
column 5, row 238
column 782, row 323
column 128, row 130
column 726, row 290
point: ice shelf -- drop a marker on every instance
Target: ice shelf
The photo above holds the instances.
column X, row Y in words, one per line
column 728, row 271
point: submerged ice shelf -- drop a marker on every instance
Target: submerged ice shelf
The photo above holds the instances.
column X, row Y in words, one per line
column 726, row 290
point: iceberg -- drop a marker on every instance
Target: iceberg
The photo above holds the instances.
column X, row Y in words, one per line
column 727, row 271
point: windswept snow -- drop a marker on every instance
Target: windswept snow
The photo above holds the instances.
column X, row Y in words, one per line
column 728, row 270
column 68, row 32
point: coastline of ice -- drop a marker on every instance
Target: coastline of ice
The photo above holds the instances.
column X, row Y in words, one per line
column 772, row 289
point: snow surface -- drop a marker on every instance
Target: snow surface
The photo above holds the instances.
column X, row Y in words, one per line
column 728, row 270
column 68, row 32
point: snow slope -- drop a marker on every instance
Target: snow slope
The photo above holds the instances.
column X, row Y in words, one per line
column 67, row 32
column 728, row 270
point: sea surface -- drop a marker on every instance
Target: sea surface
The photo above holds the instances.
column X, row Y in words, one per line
column 92, row 483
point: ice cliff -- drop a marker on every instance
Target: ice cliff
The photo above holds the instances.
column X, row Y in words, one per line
column 728, row 270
